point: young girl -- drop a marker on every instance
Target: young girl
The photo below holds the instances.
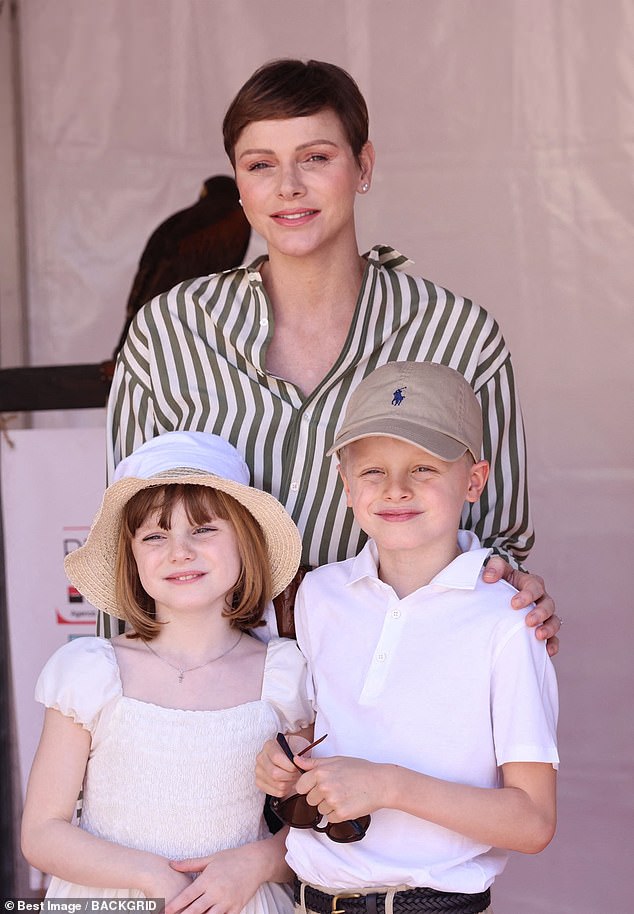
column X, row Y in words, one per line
column 160, row 727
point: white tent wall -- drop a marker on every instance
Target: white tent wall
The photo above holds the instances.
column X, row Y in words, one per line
column 504, row 136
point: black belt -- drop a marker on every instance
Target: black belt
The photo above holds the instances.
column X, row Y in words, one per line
column 410, row 901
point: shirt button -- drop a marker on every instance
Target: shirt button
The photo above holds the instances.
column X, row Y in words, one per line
column 264, row 321
column 396, row 614
column 381, row 657
column 294, row 487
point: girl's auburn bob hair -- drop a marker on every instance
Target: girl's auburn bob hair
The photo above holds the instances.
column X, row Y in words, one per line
column 245, row 603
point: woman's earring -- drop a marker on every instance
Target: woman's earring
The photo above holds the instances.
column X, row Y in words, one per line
column 365, row 188
column 240, row 200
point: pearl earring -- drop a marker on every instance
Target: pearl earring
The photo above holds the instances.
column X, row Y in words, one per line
column 365, row 187
column 240, row 200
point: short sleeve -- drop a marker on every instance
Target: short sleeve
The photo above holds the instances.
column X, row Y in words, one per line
column 80, row 679
column 524, row 700
column 285, row 684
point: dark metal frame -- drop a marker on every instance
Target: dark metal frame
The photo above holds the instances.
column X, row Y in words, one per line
column 55, row 387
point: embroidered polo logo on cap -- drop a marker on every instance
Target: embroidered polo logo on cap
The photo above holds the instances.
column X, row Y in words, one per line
column 398, row 396
column 430, row 405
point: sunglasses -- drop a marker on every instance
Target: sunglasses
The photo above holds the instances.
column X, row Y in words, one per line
column 297, row 812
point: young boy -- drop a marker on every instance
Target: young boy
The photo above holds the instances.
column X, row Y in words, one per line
column 440, row 708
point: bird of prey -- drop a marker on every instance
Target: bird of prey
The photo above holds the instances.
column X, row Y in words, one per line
column 207, row 237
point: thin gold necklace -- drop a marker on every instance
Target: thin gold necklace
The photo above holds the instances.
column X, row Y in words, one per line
column 181, row 672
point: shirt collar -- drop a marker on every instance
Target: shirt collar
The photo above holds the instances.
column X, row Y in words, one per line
column 464, row 571
column 388, row 257
column 259, row 317
column 380, row 255
column 461, row 574
column 255, row 266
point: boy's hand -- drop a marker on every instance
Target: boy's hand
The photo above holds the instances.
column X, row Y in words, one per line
column 342, row 787
column 531, row 590
column 275, row 774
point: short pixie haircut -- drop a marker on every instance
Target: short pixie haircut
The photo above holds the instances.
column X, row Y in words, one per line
column 251, row 592
column 293, row 88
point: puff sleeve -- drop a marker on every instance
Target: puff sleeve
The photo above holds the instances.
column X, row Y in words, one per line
column 80, row 680
column 286, row 686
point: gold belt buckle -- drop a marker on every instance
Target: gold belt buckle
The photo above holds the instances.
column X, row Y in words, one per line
column 334, row 909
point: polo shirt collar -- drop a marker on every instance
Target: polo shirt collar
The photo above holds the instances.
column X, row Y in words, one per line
column 461, row 574
column 464, row 571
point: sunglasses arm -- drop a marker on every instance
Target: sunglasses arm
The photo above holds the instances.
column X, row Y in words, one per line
column 288, row 752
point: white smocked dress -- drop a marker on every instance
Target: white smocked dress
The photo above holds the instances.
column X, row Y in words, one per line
column 173, row 782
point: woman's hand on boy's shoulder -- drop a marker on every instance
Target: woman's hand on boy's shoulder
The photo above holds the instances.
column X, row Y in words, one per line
column 530, row 589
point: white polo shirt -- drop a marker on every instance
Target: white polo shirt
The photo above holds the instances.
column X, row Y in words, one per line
column 448, row 681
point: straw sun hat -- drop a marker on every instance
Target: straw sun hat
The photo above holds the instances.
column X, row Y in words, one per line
column 195, row 458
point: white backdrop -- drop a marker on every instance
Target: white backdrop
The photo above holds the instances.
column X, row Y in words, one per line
column 503, row 131
column 62, row 469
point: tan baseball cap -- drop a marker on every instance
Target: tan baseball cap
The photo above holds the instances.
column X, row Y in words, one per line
column 426, row 404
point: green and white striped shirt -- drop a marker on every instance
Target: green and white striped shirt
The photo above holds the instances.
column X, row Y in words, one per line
column 195, row 359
